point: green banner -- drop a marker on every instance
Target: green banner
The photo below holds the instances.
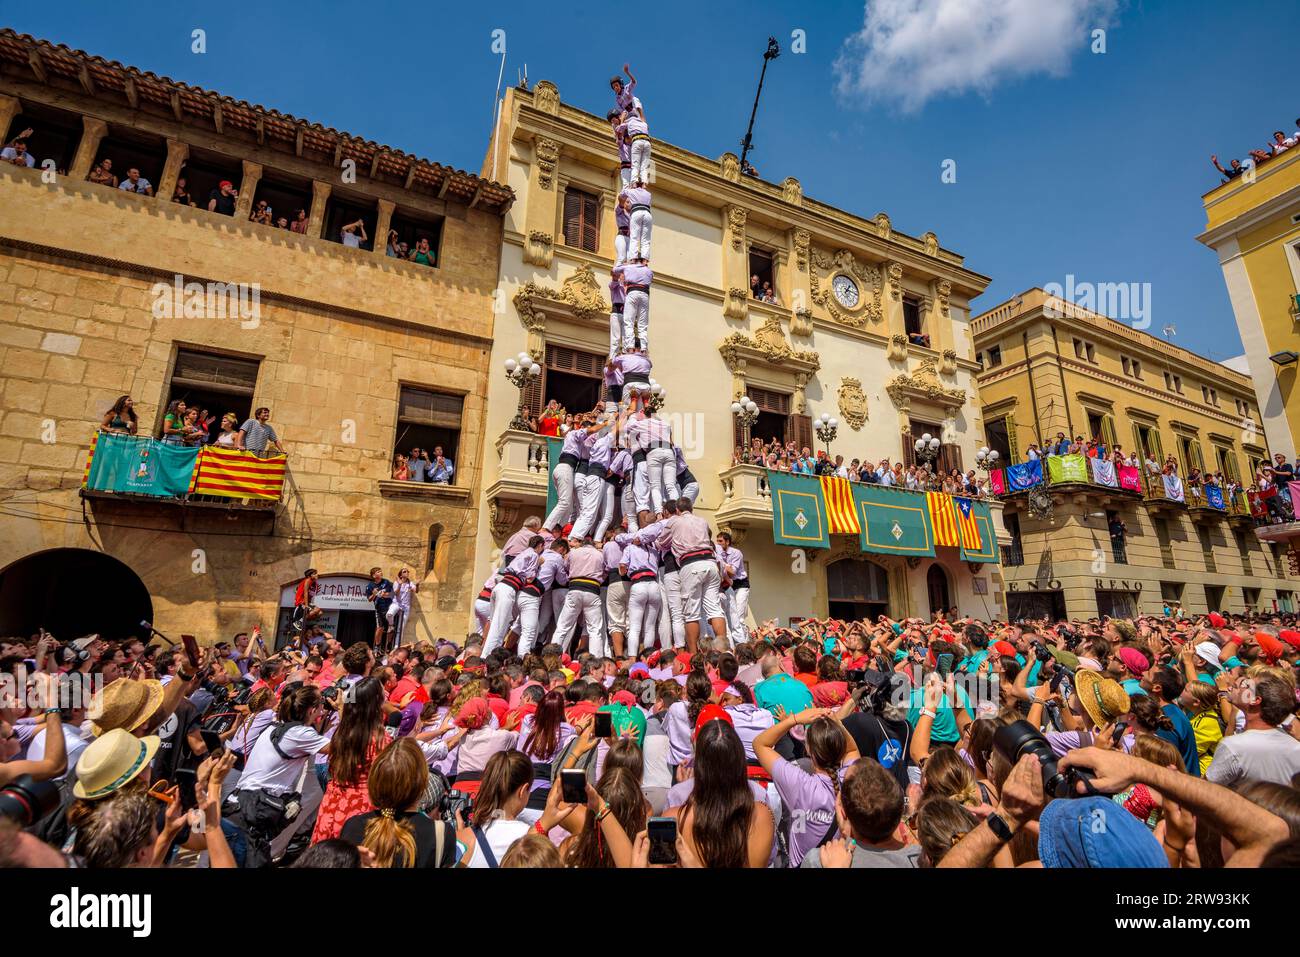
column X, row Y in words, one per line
column 553, row 446
column 140, row 466
column 988, row 550
column 894, row 521
column 798, row 511
column 1067, row 468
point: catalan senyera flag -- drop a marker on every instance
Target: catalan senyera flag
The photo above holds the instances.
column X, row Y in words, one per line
column 235, row 473
column 841, row 516
column 967, row 530
column 943, row 517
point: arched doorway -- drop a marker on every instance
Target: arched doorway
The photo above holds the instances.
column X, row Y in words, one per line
column 936, row 584
column 72, row 592
column 858, row 590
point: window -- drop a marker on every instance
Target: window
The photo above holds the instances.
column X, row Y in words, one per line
column 1013, row 554
column 1243, row 408
column 761, row 274
column 1173, row 383
column 1161, row 526
column 581, row 219
column 1132, row 367
column 912, row 323
column 130, row 149
column 1243, row 548
column 1078, row 348
column 282, row 194
column 949, row 456
column 572, row 378
column 203, row 173
column 998, row 437
column 214, row 383
column 995, row 356
column 979, row 359
column 55, row 135
column 774, row 417
column 1085, row 350
column 410, row 229
column 1171, row 591
column 435, row 535
column 429, row 420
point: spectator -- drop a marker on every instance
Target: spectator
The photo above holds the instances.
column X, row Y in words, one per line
column 418, row 465
column 261, row 213
column 353, row 234
column 222, row 199
column 256, row 435
column 1263, row 751
column 181, row 194
column 121, row 417
column 299, row 224
column 15, row 152
column 392, row 249
column 135, row 183
column 102, row 173
column 401, row 470
column 441, row 468
column 423, row 254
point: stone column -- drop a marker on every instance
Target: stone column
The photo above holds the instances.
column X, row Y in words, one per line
column 10, row 106
column 892, row 307
column 93, row 132
column 381, row 227
column 177, row 154
column 735, row 262
column 247, row 187
column 320, row 194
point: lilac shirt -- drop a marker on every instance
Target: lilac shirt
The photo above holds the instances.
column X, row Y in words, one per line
column 615, row 292
column 600, row 449
column 553, row 571
column 525, row 565
column 637, row 195
column 650, row 433
column 811, row 798
column 621, row 462
column 573, row 442
column 613, row 556
column 622, row 219
column 634, row 362
column 733, row 557
column 633, row 126
column 586, row 562
column 638, row 558
column 634, row 273
column 750, row 721
column 626, row 97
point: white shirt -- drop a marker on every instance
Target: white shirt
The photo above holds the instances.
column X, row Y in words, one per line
column 265, row 768
column 139, row 186
column 352, row 240
column 75, row 740
column 500, row 836
column 1260, row 755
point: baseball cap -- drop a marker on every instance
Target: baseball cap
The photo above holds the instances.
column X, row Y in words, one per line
column 1095, row 832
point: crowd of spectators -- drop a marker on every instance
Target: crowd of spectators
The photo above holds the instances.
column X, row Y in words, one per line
column 1276, row 146
column 189, row 425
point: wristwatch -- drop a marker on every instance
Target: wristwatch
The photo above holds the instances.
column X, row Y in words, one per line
column 998, row 825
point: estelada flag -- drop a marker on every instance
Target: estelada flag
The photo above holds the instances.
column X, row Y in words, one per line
column 943, row 518
column 967, row 529
column 840, row 513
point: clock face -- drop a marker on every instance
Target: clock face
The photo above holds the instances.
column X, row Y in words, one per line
column 846, row 291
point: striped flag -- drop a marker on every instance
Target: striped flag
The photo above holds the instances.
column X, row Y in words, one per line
column 943, row 517
column 967, row 529
column 235, row 473
column 90, row 458
column 842, row 518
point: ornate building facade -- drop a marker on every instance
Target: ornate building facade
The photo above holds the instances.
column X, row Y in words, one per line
column 356, row 353
column 872, row 327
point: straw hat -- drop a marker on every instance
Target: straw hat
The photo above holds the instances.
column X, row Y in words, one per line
column 1104, row 699
column 112, row 760
column 127, row 703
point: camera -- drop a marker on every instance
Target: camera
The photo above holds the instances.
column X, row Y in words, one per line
column 1019, row 738
column 1040, row 651
column 26, row 800
column 453, row 801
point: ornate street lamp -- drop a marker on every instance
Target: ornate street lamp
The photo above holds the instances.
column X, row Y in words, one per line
column 745, row 410
column 656, row 398
column 827, row 428
column 521, row 371
column 987, row 459
column 927, row 450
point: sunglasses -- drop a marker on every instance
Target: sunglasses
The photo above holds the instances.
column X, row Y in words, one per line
column 163, row 791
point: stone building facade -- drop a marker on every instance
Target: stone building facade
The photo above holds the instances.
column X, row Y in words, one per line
column 356, row 353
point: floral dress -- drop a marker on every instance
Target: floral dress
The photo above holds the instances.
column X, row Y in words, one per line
column 342, row 802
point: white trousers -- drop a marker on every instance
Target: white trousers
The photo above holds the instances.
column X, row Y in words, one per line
column 501, row 614
column 615, row 333
column 638, row 228
column 589, row 496
column 606, row 510
column 621, row 243
column 549, row 613
column 699, row 584
column 691, row 491
column 397, row 616
column 641, row 485
column 641, row 161
column 625, row 176
column 661, row 474
column 584, row 605
column 636, row 320
column 482, row 612
column 737, row 616
column 562, row 514
column 673, row 607
column 616, row 594
column 529, row 607
column 627, row 505
column 643, row 606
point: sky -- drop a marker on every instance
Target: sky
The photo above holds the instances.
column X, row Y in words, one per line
column 1062, row 160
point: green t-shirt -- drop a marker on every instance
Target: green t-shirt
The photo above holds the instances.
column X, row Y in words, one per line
column 944, row 728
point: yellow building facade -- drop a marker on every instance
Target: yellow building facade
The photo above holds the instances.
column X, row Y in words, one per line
column 851, row 289
column 1050, row 367
column 357, row 354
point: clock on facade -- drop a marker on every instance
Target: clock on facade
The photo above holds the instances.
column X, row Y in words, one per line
column 846, row 291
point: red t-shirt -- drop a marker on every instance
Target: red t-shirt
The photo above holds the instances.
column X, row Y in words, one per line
column 500, row 707
column 405, row 686
column 547, row 426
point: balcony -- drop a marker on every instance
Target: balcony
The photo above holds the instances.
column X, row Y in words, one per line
column 523, row 479
column 746, row 498
column 1013, row 555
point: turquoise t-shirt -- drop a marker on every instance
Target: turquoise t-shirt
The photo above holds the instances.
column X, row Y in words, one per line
column 781, row 689
column 944, row 728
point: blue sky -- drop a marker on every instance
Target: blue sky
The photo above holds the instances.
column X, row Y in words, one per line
column 1067, row 161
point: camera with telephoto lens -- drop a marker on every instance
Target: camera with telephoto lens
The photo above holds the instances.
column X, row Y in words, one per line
column 26, row 800
column 1013, row 741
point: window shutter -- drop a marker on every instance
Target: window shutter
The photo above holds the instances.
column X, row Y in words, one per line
column 1157, row 447
column 590, row 232
column 950, row 457
column 533, row 394
column 1198, row 460
column 737, row 434
column 572, row 218
column 1013, row 445
column 436, row 409
column 799, row 427
column 1138, row 450
column 1108, row 433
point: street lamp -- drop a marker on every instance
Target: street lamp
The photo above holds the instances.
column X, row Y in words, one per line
column 745, row 410
column 827, row 427
column 927, row 450
column 987, row 458
column 521, row 371
column 658, row 395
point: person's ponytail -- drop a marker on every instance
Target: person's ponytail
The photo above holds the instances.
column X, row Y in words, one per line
column 392, row 842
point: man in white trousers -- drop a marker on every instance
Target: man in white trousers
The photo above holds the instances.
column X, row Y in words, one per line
column 586, row 574
column 616, row 305
column 672, row 626
column 641, row 566
column 640, row 222
column 735, row 582
column 635, row 128
column 637, row 277
column 618, row 483
column 652, row 442
column 535, row 596
column 623, row 222
column 483, row 604
column 599, row 449
column 563, row 476
column 632, row 371
column 616, row 589
column 687, row 537
column 624, row 144
column 687, row 485
column 522, row 570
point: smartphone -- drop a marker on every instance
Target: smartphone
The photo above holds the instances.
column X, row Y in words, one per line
column 573, row 786
column 1117, row 736
column 945, row 665
column 191, row 645
column 662, row 832
column 604, row 726
column 855, row 676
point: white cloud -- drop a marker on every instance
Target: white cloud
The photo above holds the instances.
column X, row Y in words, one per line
column 911, row 51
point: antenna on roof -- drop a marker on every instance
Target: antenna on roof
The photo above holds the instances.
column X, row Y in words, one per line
column 523, row 78
column 1169, row 330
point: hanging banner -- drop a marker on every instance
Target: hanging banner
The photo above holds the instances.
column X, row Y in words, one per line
column 1129, row 478
column 998, row 481
column 1025, row 475
column 1067, row 468
column 798, row 511
column 237, row 473
column 1214, row 497
column 137, row 465
column 840, row 514
column 986, row 550
column 1103, row 473
column 893, row 521
column 1174, row 488
column 553, row 446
